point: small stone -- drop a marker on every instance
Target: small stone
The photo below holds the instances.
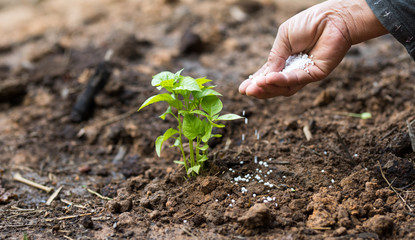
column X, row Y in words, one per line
column 257, row 216
column 126, row 205
column 84, row 169
column 208, row 185
column 154, row 214
column 113, row 206
column 379, row 224
column 87, row 222
column 340, row 231
column 12, row 90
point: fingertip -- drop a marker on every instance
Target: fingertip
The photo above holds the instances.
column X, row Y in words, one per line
column 244, row 85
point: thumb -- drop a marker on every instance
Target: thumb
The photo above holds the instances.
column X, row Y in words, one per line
column 280, row 51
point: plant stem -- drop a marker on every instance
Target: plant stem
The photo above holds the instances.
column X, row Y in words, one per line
column 180, row 140
column 192, row 157
column 197, row 150
column 181, row 148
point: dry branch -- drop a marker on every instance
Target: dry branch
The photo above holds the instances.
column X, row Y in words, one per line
column 19, row 178
column 393, row 189
column 53, row 196
column 411, row 133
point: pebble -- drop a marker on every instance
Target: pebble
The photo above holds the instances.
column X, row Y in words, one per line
column 257, row 216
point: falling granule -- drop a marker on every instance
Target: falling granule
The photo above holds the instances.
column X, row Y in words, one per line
column 246, row 120
column 243, row 137
column 298, row 61
column 256, row 159
column 243, row 112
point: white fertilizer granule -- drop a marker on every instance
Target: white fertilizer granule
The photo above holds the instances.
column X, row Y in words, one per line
column 299, row 61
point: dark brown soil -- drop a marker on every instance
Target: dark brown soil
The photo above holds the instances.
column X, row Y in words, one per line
column 354, row 179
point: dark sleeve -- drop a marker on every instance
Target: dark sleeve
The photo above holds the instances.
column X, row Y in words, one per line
column 398, row 17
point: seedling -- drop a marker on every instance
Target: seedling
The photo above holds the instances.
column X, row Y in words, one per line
column 364, row 115
column 196, row 108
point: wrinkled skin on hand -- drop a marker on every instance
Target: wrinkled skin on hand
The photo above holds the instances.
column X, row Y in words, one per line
column 326, row 31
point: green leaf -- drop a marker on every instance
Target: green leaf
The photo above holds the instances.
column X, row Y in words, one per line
column 217, row 135
column 168, row 84
column 160, row 77
column 208, row 132
column 212, row 105
column 200, row 113
column 206, row 92
column 168, row 111
column 203, row 158
column 188, row 83
column 179, row 162
column 178, row 75
column 202, row 81
column 176, row 143
column 160, row 98
column 204, row 147
column 228, row 117
column 192, row 126
column 195, row 169
column 217, row 125
column 161, row 139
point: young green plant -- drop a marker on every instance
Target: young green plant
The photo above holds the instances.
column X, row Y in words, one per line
column 196, row 108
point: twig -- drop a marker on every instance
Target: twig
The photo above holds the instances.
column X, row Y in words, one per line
column 346, row 148
column 307, row 132
column 411, row 133
column 67, row 217
column 53, row 196
column 14, row 208
column 67, row 237
column 321, row 228
column 103, row 218
column 390, row 185
column 98, row 195
column 23, row 225
column 106, row 122
column 410, row 214
column 117, row 118
column 19, row 178
column 189, row 232
column 71, row 203
column 389, row 133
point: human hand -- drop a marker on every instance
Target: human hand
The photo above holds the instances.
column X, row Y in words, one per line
column 326, row 31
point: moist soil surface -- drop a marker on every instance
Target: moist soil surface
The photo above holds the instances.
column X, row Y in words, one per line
column 297, row 168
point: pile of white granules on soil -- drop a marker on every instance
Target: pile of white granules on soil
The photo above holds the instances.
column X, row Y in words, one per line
column 299, row 61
